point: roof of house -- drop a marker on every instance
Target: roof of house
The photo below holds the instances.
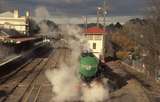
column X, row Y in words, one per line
column 94, row 31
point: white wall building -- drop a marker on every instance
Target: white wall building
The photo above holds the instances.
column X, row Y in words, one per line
column 95, row 36
column 12, row 20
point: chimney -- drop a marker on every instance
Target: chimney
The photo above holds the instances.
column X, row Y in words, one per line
column 27, row 13
column 16, row 13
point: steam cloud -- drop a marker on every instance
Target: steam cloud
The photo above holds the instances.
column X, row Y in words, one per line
column 65, row 79
column 41, row 13
column 67, row 85
column 97, row 93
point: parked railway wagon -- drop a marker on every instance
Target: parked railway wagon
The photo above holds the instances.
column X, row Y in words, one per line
column 21, row 42
column 12, row 38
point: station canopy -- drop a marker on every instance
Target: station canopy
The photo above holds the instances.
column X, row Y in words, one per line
column 9, row 32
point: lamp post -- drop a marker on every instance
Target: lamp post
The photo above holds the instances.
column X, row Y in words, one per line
column 98, row 15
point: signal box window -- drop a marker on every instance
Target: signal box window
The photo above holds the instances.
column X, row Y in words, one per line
column 90, row 37
column 94, row 45
column 97, row 37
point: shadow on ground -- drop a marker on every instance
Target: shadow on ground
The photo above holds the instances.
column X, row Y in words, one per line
column 116, row 81
column 2, row 93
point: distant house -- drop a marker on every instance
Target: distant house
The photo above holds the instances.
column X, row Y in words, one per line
column 95, row 37
column 12, row 20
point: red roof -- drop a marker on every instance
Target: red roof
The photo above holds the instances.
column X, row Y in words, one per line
column 94, row 31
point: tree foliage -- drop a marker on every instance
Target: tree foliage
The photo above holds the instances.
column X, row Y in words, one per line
column 123, row 42
column 146, row 35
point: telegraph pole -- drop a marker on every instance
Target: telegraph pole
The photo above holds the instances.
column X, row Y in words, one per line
column 104, row 15
column 102, row 10
column 98, row 15
column 104, row 27
column 85, row 22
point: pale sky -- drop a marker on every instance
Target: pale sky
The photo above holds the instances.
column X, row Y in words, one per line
column 78, row 7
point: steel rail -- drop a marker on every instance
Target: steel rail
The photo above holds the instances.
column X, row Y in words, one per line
column 22, row 79
column 25, row 97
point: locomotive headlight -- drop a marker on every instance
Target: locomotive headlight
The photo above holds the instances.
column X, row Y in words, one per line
column 88, row 67
column 11, row 41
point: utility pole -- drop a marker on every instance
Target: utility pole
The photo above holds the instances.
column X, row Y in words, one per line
column 102, row 10
column 104, row 27
column 98, row 15
column 104, row 15
column 85, row 22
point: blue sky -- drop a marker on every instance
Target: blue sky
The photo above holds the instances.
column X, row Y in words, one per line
column 77, row 7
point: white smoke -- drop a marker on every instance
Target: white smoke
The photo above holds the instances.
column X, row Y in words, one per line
column 41, row 13
column 97, row 92
column 65, row 79
column 41, row 18
column 44, row 28
column 67, row 85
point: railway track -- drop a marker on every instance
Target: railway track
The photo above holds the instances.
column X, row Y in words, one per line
column 31, row 85
column 17, row 77
column 28, row 84
column 34, row 93
column 5, row 77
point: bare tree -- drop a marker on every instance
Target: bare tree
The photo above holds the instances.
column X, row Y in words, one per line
column 151, row 38
column 147, row 37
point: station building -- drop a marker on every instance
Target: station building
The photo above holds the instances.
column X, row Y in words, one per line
column 12, row 20
column 95, row 37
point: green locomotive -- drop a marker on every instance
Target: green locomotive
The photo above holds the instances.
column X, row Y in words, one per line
column 89, row 66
